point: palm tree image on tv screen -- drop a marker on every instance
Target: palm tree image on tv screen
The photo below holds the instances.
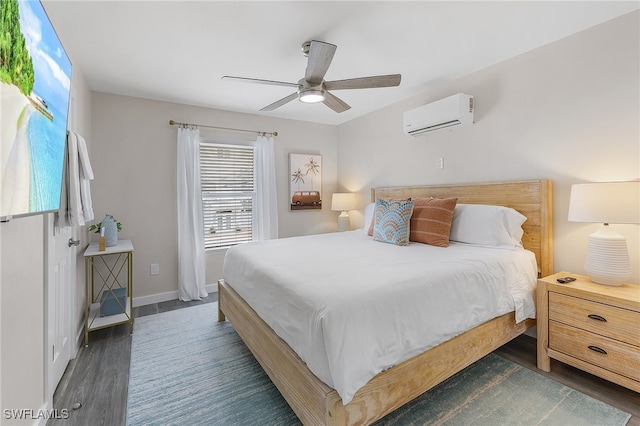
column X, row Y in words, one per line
column 35, row 82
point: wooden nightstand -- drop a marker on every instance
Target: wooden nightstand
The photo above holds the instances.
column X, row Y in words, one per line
column 590, row 326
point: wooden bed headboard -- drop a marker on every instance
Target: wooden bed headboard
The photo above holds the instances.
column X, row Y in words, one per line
column 532, row 198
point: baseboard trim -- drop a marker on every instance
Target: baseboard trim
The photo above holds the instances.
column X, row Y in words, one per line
column 164, row 297
column 79, row 339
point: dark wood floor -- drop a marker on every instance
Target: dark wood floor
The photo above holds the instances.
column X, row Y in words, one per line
column 98, row 378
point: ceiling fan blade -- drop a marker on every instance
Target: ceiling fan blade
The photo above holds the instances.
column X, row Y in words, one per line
column 364, row 82
column 320, row 56
column 260, row 81
column 335, row 103
column 278, row 104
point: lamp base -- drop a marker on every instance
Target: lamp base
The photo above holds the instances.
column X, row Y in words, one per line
column 344, row 222
column 607, row 260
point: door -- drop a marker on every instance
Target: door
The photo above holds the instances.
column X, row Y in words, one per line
column 60, row 297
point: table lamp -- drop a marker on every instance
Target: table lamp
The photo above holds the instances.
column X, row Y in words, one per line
column 343, row 201
column 607, row 260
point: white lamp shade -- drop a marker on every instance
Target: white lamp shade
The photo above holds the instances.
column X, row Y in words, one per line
column 343, row 201
column 609, row 202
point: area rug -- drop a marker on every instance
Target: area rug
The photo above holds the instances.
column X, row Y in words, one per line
column 188, row 369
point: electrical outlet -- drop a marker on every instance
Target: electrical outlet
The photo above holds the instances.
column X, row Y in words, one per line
column 155, row 269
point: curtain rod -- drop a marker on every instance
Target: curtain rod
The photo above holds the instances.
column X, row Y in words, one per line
column 175, row 123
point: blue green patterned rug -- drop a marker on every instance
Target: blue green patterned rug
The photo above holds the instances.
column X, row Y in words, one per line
column 188, row 369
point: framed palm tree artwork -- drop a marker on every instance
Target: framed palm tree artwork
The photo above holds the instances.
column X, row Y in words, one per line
column 305, row 181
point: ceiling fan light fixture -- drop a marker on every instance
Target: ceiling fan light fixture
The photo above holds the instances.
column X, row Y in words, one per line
column 312, row 88
column 311, row 96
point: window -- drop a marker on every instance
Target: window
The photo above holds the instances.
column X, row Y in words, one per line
column 228, row 194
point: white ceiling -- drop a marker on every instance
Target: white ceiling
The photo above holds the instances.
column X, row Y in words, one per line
column 177, row 51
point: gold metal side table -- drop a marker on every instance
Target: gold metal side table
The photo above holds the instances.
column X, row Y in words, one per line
column 104, row 273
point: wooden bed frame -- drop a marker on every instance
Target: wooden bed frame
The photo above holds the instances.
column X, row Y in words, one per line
column 315, row 403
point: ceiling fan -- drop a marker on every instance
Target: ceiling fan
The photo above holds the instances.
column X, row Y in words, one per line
column 313, row 88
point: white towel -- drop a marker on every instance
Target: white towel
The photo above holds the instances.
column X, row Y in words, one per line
column 86, row 175
column 86, row 171
column 75, row 204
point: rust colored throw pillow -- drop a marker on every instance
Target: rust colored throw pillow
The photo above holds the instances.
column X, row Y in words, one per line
column 431, row 220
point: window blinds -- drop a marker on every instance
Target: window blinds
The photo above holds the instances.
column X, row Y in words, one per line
column 228, row 194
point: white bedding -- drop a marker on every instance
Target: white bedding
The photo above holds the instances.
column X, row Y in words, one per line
column 352, row 307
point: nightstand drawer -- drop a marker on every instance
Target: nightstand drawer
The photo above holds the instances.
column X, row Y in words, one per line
column 607, row 353
column 616, row 323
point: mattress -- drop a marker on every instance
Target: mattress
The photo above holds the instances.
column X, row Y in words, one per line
column 352, row 307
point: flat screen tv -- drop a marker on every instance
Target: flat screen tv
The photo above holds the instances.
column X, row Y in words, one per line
column 35, row 82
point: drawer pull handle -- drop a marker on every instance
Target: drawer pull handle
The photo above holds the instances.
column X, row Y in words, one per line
column 597, row 349
column 597, row 317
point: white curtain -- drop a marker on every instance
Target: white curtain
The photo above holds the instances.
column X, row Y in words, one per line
column 266, row 211
column 191, row 269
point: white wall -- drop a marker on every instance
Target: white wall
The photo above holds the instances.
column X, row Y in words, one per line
column 134, row 160
column 21, row 314
column 568, row 111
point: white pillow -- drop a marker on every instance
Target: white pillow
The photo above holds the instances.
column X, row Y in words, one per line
column 486, row 225
column 368, row 216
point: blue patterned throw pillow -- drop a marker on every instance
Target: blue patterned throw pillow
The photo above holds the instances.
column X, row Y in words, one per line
column 392, row 221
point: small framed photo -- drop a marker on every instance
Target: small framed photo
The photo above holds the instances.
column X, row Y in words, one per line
column 305, row 181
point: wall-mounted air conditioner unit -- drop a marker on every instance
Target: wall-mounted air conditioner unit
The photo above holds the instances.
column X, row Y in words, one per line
column 456, row 110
